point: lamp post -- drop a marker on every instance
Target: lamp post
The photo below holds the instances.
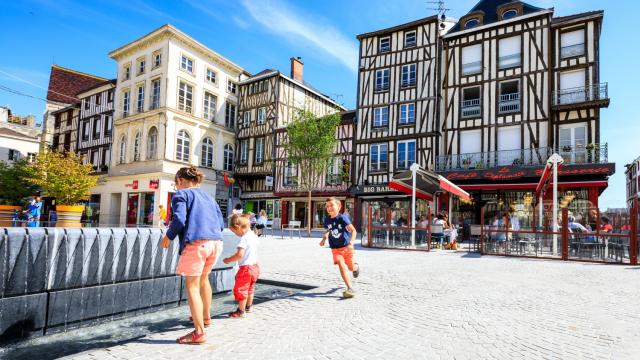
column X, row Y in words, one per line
column 414, row 173
column 555, row 160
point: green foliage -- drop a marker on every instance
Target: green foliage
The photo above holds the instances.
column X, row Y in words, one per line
column 14, row 187
column 62, row 176
column 310, row 145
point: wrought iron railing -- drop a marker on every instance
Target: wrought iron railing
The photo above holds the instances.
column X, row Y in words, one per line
column 509, row 103
column 471, row 68
column 572, row 50
column 589, row 154
column 471, row 107
column 580, row 94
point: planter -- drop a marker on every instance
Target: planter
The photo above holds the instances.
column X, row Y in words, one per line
column 69, row 215
column 6, row 214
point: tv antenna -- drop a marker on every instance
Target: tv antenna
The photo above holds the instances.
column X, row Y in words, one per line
column 439, row 7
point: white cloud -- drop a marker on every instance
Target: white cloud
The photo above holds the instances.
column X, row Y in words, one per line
column 280, row 19
column 240, row 22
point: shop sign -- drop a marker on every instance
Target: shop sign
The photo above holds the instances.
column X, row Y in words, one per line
column 133, row 185
column 153, row 184
column 268, row 181
column 374, row 189
column 507, row 173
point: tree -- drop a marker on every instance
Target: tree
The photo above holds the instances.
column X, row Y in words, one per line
column 310, row 146
column 62, row 176
column 14, row 187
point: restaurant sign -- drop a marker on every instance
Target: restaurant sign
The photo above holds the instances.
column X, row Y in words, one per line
column 373, row 189
column 507, row 173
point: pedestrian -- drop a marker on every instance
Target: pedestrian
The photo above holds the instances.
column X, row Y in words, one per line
column 197, row 220
column 341, row 234
column 38, row 211
column 237, row 209
column 162, row 213
column 261, row 222
column 247, row 258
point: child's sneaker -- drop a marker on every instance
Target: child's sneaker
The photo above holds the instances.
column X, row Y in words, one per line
column 237, row 314
column 247, row 309
column 348, row 294
column 356, row 272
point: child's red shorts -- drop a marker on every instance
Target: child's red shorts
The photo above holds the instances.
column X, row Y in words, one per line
column 245, row 280
column 344, row 253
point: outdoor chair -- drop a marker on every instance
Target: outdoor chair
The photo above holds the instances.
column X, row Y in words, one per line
column 437, row 235
column 474, row 236
column 292, row 226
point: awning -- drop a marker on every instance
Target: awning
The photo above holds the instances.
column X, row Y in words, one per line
column 427, row 183
column 544, row 179
column 531, row 186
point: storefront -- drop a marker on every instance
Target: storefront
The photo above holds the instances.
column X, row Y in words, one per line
column 295, row 209
column 512, row 190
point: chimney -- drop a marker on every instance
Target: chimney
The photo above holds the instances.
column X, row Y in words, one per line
column 296, row 68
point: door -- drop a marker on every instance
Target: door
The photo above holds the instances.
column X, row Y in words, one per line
column 132, row 209
column 572, row 143
column 572, row 87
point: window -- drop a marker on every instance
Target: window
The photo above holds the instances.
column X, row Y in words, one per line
column 94, row 159
column 31, row 157
column 183, row 146
column 508, row 139
column 511, row 13
column 136, row 147
column 98, row 99
column 259, row 150
column 262, row 115
column 471, row 144
column 381, row 116
column 290, row 174
column 185, row 97
column 211, row 76
column 471, row 102
column 86, row 103
column 378, row 157
column 122, row 156
column 471, row 59
column 186, row 64
column 152, row 143
column 334, row 172
column 509, row 96
column 471, row 23
column 244, row 151
column 246, row 118
column 97, row 126
column 572, row 87
column 14, row 155
column 85, row 129
column 573, row 140
column 509, row 52
column 141, row 66
column 155, row 94
column 110, row 96
column 157, row 59
column 209, row 109
column 384, row 44
column 104, row 162
column 230, row 115
column 572, row 44
column 140, row 104
column 228, row 158
column 126, row 103
column 108, row 119
column 232, row 87
column 382, row 80
column 406, row 153
column 408, row 75
column 410, row 39
column 126, row 70
column 407, row 114
column 206, row 158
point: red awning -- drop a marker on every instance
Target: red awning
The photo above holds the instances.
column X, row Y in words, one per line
column 427, row 183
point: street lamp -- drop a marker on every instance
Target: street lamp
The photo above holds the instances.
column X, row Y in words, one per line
column 414, row 173
column 555, row 160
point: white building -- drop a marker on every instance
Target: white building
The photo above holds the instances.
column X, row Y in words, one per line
column 19, row 136
column 174, row 102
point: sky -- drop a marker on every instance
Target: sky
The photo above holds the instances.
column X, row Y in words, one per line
column 34, row 34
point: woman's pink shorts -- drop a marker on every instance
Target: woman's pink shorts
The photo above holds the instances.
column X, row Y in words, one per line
column 199, row 257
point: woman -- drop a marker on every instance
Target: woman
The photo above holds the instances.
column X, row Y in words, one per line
column 261, row 222
column 237, row 210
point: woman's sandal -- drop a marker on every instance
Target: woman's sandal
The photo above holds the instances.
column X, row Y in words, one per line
column 207, row 322
column 192, row 339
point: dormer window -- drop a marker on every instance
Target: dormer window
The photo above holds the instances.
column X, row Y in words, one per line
column 471, row 23
column 384, row 44
column 511, row 13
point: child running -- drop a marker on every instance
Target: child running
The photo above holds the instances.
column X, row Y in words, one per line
column 247, row 257
column 341, row 234
column 196, row 218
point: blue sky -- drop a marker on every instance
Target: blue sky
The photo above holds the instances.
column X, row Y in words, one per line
column 265, row 34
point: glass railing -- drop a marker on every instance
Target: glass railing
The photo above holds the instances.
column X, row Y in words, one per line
column 580, row 94
column 571, row 51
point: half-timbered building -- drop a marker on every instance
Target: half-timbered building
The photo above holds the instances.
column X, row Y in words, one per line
column 397, row 111
column 519, row 84
column 268, row 102
column 65, row 128
column 632, row 177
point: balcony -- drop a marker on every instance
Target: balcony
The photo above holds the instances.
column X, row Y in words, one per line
column 571, row 51
column 583, row 96
column 593, row 154
column 509, row 103
column 471, row 108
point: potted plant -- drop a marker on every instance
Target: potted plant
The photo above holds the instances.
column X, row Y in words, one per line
column 65, row 178
column 590, row 150
column 566, row 148
column 466, row 162
column 517, row 162
column 479, row 165
column 14, row 188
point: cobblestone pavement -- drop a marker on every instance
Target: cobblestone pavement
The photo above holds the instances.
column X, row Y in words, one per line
column 416, row 305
